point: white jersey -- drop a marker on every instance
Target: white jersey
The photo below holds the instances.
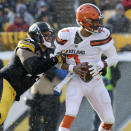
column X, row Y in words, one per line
column 85, row 49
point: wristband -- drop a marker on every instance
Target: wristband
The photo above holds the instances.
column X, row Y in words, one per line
column 70, row 68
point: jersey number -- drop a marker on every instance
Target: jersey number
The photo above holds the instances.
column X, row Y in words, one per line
column 77, row 60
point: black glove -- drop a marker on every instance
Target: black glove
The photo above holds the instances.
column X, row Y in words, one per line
column 103, row 71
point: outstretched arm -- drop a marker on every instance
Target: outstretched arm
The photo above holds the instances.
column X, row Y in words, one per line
column 34, row 64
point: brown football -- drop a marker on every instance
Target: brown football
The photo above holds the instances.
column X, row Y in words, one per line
column 85, row 76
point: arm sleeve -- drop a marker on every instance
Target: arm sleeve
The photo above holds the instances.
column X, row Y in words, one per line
column 33, row 64
column 110, row 51
column 61, row 40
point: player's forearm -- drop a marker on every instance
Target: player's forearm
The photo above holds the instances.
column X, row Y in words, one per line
column 35, row 65
column 69, row 68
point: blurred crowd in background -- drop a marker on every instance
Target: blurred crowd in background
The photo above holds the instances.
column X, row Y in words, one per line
column 18, row 15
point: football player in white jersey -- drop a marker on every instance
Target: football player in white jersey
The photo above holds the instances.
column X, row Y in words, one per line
column 86, row 44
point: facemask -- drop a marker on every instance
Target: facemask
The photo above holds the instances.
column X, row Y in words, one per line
column 45, row 43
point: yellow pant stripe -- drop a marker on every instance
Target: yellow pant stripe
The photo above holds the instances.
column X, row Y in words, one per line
column 8, row 97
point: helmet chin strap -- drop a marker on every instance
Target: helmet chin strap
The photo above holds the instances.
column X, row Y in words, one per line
column 93, row 32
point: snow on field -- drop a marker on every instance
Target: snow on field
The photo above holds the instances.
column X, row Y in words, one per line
column 6, row 55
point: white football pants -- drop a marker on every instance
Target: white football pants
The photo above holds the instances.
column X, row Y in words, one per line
column 96, row 94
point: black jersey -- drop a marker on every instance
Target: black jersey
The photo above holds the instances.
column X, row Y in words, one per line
column 22, row 76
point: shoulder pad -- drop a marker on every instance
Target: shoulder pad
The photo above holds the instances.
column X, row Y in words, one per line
column 27, row 43
column 101, row 38
column 63, row 36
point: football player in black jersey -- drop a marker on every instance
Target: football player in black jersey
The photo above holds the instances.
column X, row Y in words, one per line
column 25, row 66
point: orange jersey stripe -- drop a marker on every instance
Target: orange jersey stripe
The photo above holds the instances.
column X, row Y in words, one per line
column 100, row 42
column 67, row 121
column 77, row 60
column 61, row 41
column 106, row 126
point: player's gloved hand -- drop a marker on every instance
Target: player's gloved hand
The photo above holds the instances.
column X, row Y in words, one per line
column 96, row 67
column 82, row 70
column 77, row 69
column 61, row 57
